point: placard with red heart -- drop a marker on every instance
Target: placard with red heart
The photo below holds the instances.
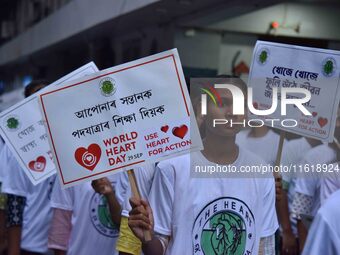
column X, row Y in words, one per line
column 89, row 157
column 38, row 165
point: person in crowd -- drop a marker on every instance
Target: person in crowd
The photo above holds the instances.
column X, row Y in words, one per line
column 331, row 181
column 306, row 200
column 324, row 234
column 292, row 154
column 86, row 218
column 237, row 215
column 28, row 208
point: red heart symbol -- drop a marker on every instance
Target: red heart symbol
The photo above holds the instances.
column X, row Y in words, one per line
column 38, row 165
column 180, row 131
column 314, row 114
column 165, row 128
column 322, row 121
column 256, row 106
column 88, row 158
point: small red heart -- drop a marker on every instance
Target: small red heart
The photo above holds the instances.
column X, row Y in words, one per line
column 38, row 165
column 322, row 121
column 256, row 105
column 165, row 128
column 88, row 158
column 180, row 131
column 314, row 114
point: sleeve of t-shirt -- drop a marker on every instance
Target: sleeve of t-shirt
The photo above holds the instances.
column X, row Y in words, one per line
column 144, row 179
column 15, row 180
column 270, row 222
column 62, row 198
column 161, row 198
column 321, row 239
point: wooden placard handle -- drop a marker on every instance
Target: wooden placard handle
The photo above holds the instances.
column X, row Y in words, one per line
column 136, row 193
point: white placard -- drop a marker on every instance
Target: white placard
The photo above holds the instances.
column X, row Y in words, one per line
column 120, row 118
column 23, row 130
column 287, row 66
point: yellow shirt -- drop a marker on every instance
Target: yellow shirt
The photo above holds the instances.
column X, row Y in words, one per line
column 127, row 241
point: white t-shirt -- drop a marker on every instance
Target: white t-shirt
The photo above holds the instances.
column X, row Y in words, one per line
column 310, row 185
column 37, row 212
column 144, row 177
column 330, row 183
column 265, row 147
column 324, row 234
column 293, row 153
column 212, row 215
column 93, row 231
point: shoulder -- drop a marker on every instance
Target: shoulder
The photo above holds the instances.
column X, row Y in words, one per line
column 331, row 208
column 330, row 211
column 176, row 163
column 172, row 169
column 273, row 135
column 145, row 172
column 243, row 134
column 296, row 144
column 320, row 154
column 247, row 157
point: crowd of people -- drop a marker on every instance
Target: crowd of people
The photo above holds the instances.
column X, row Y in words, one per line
column 179, row 214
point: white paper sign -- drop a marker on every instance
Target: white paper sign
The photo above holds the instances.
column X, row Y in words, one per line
column 286, row 66
column 23, row 130
column 120, row 118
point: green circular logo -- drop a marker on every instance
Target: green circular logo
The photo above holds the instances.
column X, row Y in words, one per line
column 12, row 123
column 228, row 230
column 101, row 217
column 328, row 67
column 262, row 56
column 107, row 86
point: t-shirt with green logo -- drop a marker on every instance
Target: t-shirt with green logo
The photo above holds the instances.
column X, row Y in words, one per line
column 92, row 228
column 212, row 215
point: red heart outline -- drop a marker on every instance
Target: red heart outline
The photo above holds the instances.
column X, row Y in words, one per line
column 38, row 165
column 165, row 128
column 180, row 132
column 88, row 158
column 322, row 121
